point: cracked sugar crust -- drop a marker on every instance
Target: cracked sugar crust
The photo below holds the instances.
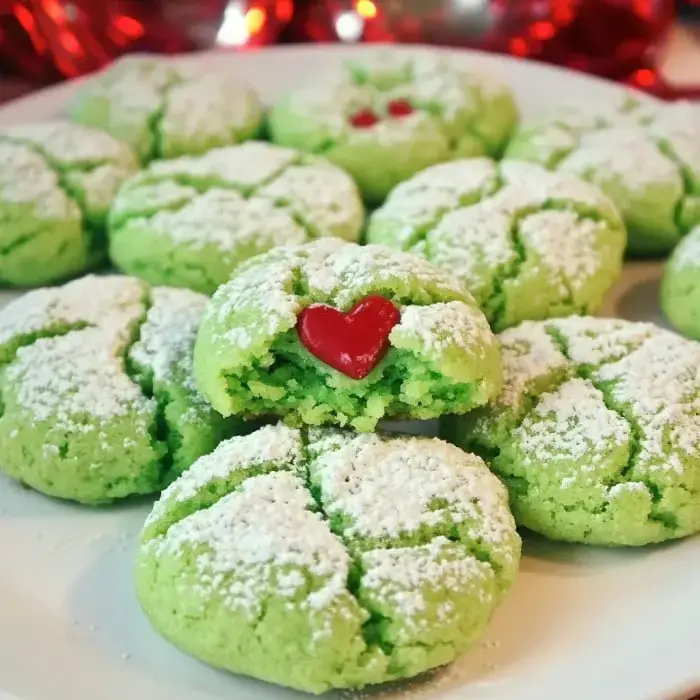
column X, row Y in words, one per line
column 527, row 243
column 455, row 112
column 680, row 286
column 78, row 422
column 56, row 185
column 249, row 544
column 190, row 221
column 164, row 108
column 646, row 158
column 596, row 430
column 249, row 361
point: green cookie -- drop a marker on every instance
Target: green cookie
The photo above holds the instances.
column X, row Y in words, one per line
column 596, row 433
column 249, row 360
column 284, row 556
column 97, row 389
column 646, row 159
column 165, row 109
column 385, row 120
column 57, row 182
column 680, row 287
column 189, row 222
column 528, row 244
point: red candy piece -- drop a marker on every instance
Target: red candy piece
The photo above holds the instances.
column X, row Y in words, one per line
column 364, row 119
column 353, row 343
column 400, row 108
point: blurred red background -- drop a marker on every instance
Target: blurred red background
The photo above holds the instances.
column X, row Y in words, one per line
column 46, row 40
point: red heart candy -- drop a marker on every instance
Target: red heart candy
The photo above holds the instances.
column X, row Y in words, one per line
column 364, row 118
column 353, row 343
column 400, row 108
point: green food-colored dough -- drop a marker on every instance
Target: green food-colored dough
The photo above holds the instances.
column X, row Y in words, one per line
column 457, row 114
column 283, row 555
column 249, row 360
column 164, row 108
column 57, row 182
column 527, row 243
column 646, row 159
column 596, row 433
column 189, row 222
column 97, row 391
column 680, row 287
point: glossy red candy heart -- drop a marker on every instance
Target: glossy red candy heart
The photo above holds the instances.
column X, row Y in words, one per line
column 353, row 343
column 364, row 118
column 400, row 108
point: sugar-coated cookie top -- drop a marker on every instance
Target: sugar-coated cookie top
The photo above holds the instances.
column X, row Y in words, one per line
column 436, row 97
column 147, row 100
column 254, row 196
column 490, row 223
column 65, row 348
column 60, row 168
column 639, row 143
column 265, row 511
column 636, row 380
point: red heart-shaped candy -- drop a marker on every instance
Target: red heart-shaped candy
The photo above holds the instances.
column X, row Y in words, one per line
column 353, row 343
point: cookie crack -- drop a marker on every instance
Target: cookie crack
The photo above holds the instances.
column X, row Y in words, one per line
column 636, row 433
column 371, row 627
column 159, row 432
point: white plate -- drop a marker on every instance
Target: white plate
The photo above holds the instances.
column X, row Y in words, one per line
column 580, row 624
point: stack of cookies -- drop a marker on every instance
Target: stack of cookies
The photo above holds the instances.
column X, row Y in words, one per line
column 388, row 244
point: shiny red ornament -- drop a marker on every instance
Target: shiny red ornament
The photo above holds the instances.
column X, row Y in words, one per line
column 364, row 119
column 48, row 39
column 613, row 38
column 353, row 343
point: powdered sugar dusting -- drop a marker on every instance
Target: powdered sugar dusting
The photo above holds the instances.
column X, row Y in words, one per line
column 566, row 245
column 225, row 220
column 596, row 341
column 145, row 93
column 528, row 353
column 393, row 488
column 77, row 381
column 342, row 271
column 26, row 179
column 439, row 329
column 76, row 378
column 571, row 423
column 251, row 542
column 209, row 108
column 245, row 166
column 658, row 384
column 628, row 155
column 275, row 446
column 69, row 144
column 253, row 197
column 108, row 302
column 168, row 334
column 407, row 580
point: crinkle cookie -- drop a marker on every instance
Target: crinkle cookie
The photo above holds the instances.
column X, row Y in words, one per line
column 596, row 433
column 528, row 244
column 189, row 222
column 97, row 392
column 646, row 159
column 328, row 560
column 165, row 109
column 386, row 119
column 57, row 182
column 333, row 332
column 680, row 287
